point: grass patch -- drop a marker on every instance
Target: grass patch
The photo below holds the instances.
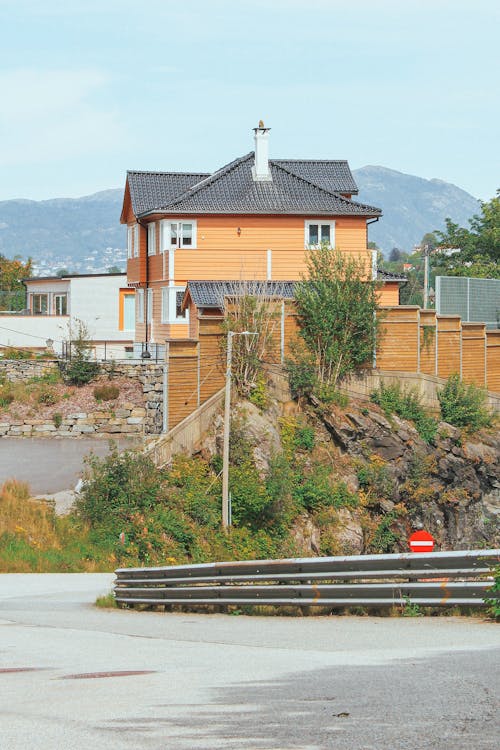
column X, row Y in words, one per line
column 107, row 601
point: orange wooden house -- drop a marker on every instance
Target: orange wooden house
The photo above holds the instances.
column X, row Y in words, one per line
column 253, row 219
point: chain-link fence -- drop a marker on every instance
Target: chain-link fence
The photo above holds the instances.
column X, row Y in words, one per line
column 475, row 300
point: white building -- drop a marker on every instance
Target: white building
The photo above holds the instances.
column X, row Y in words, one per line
column 103, row 302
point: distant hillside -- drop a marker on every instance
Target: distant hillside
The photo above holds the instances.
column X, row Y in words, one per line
column 64, row 231
column 412, row 206
column 85, row 234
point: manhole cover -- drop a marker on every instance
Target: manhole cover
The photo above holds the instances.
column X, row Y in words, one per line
column 97, row 675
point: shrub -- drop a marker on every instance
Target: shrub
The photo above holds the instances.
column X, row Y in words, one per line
column 106, row 392
column 406, row 404
column 10, row 352
column 304, row 438
column 329, row 394
column 47, row 396
column 6, row 397
column 463, row 405
column 57, row 419
column 301, row 375
column 258, row 393
column 81, row 371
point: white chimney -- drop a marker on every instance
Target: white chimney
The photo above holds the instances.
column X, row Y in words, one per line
column 260, row 170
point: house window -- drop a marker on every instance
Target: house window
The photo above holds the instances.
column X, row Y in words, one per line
column 176, row 234
column 136, row 241
column 152, row 239
column 319, row 233
column 126, row 312
column 61, row 304
column 130, row 240
column 171, row 304
column 149, row 315
column 140, row 306
column 40, row 304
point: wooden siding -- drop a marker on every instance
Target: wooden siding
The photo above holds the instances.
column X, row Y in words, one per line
column 493, row 360
column 388, row 295
column 428, row 342
column 449, row 345
column 474, row 353
column 182, row 380
column 398, row 346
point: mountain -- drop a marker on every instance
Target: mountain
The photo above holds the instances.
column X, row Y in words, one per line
column 85, row 235
column 81, row 234
column 412, row 205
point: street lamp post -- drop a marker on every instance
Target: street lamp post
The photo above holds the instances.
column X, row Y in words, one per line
column 227, row 418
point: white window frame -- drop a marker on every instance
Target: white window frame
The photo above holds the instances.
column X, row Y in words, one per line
column 47, row 303
column 169, row 305
column 140, row 306
column 166, row 232
column 60, row 296
column 319, row 222
column 136, row 240
column 130, row 241
column 149, row 316
column 152, row 238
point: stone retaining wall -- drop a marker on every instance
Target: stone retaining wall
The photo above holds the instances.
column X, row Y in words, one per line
column 128, row 420
column 150, row 375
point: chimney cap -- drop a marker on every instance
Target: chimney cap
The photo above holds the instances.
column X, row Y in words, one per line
column 261, row 127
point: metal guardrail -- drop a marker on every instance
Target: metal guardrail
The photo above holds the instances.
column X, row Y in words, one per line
column 431, row 580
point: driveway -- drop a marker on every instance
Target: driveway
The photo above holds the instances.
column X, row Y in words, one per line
column 50, row 465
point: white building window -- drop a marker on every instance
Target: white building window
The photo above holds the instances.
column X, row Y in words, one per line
column 61, row 304
column 140, row 306
column 149, row 316
column 136, row 241
column 178, row 234
column 319, row 232
column 152, row 239
column 171, row 305
column 130, row 241
column 40, row 304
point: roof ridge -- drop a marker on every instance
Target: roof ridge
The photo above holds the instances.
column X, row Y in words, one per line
column 150, row 171
column 314, row 161
column 209, row 180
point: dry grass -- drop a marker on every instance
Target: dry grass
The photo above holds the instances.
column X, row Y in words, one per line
column 32, row 519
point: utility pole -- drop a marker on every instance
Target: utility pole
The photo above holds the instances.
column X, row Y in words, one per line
column 426, row 276
column 227, row 421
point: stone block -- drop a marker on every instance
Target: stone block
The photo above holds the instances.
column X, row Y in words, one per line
column 134, row 420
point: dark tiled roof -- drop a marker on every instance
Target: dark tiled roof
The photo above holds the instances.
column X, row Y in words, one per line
column 388, row 276
column 213, row 293
column 150, row 190
column 233, row 190
column 334, row 176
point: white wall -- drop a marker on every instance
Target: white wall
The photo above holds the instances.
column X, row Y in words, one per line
column 93, row 299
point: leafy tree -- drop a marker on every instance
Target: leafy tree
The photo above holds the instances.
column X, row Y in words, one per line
column 62, row 272
column 430, row 240
column 336, row 306
column 395, row 255
column 114, row 269
column 80, row 369
column 479, row 246
column 12, row 291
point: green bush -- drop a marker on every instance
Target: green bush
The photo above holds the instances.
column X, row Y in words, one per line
column 57, row 419
column 47, row 396
column 81, row 371
column 329, row 394
column 464, row 405
column 106, row 392
column 301, row 376
column 10, row 352
column 258, row 393
column 304, row 438
column 406, row 404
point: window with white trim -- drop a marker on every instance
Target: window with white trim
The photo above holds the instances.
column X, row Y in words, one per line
column 149, row 316
column 171, row 305
column 136, row 241
column 318, row 232
column 40, row 304
column 152, row 238
column 60, row 304
column 140, row 306
column 178, row 234
column 130, row 241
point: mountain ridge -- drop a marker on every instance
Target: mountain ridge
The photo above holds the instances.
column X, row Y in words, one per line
column 84, row 234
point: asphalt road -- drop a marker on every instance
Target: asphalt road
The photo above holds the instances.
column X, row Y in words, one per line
column 49, row 465
column 216, row 681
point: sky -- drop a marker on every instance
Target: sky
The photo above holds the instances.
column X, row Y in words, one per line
column 91, row 88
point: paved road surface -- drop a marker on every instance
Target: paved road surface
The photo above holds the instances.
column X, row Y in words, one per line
column 48, row 465
column 236, row 683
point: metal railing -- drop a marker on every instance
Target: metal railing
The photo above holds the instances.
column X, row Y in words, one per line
column 431, row 580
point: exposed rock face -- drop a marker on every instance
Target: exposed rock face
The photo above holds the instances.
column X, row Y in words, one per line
column 451, row 488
